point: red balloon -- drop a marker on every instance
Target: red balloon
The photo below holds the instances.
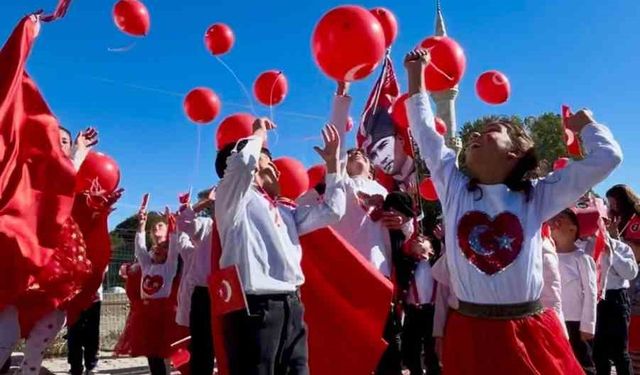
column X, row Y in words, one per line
column 441, row 126
column 348, row 43
column 389, row 24
column 98, row 171
column 399, row 112
column 448, row 63
column 270, row 87
column 233, row 128
column 294, row 180
column 569, row 137
column 201, row 105
column 493, row 87
column 428, row 190
column 132, row 17
column 219, row 39
column 316, row 174
column 560, row 164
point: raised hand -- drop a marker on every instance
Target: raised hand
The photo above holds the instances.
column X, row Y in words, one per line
column 261, row 126
column 579, row 120
column 393, row 220
column 170, row 219
column 86, row 139
column 343, row 88
column 331, row 150
column 415, row 62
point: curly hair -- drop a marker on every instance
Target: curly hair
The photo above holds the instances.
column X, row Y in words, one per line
column 527, row 167
column 628, row 202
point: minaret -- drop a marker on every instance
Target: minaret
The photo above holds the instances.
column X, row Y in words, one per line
column 445, row 100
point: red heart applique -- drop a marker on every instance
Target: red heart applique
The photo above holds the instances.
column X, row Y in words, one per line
column 152, row 284
column 490, row 244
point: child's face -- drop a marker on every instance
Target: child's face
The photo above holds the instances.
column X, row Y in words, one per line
column 159, row 253
column 563, row 228
column 65, row 143
column 160, row 232
column 357, row 163
column 490, row 148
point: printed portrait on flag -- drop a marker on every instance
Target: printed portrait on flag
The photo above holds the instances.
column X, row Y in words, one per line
column 387, row 145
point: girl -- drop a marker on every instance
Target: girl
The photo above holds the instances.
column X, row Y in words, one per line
column 493, row 219
column 614, row 336
column 151, row 327
column 579, row 287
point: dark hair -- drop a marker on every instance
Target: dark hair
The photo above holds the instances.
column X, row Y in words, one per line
column 63, row 129
column 525, row 170
column 226, row 151
column 627, row 201
column 574, row 219
column 401, row 202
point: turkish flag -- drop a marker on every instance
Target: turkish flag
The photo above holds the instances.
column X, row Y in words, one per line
column 227, row 294
column 36, row 178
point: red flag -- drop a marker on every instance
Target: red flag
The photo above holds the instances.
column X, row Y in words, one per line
column 346, row 306
column 227, row 294
column 574, row 149
column 36, row 179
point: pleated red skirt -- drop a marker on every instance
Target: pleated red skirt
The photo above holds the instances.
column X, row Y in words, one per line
column 526, row 346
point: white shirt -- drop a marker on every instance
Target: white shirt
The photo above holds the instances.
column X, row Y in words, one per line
column 260, row 236
column 157, row 279
column 423, row 283
column 494, row 235
column 369, row 237
column 579, row 289
column 551, row 295
column 621, row 265
column 185, row 290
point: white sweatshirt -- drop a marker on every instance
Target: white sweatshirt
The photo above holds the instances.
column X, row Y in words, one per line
column 157, row 279
column 494, row 238
column 579, row 289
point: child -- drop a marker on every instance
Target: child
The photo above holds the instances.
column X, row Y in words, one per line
column 151, row 326
column 493, row 220
column 579, row 287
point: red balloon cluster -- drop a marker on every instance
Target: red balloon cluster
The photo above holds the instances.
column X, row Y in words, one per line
column 428, row 190
column 448, row 63
column 219, row 39
column 271, row 87
column 201, row 105
column 493, row 87
column 98, row 171
column 561, row 163
column 348, row 43
column 294, row 180
column 132, row 17
column 316, row 174
column 389, row 24
column 233, row 128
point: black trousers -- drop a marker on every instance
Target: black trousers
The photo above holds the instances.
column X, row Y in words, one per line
column 581, row 349
column 158, row 366
column 270, row 340
column 612, row 334
column 83, row 340
column 418, row 344
column 201, row 347
column 391, row 360
column 6, row 367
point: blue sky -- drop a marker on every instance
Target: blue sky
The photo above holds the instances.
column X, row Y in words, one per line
column 580, row 52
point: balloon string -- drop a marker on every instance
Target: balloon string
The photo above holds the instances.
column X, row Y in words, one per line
column 122, row 49
column 436, row 68
column 196, row 162
column 242, row 86
column 271, row 112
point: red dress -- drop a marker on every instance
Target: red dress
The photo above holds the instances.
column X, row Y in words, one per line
column 151, row 326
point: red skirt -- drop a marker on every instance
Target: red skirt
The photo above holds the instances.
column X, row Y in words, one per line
column 533, row 345
column 634, row 334
column 150, row 330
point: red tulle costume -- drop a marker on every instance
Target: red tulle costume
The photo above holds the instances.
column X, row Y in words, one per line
column 151, row 326
column 527, row 346
column 42, row 258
